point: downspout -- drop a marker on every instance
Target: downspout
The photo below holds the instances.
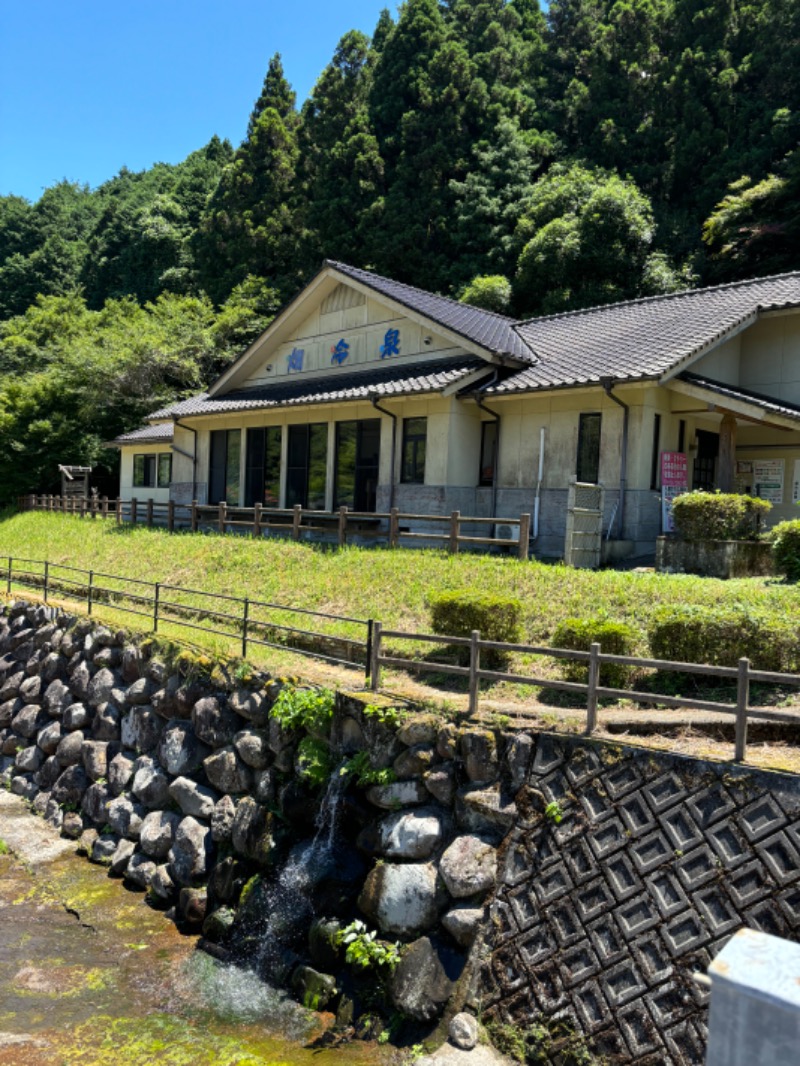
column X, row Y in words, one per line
column 540, row 478
column 492, row 414
column 194, row 455
column 608, row 385
column 393, row 416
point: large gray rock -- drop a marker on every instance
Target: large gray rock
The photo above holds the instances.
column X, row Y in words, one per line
column 106, row 724
column 140, row 870
column 248, row 827
column 139, row 692
column 103, row 850
column 49, row 773
column 101, row 686
column 120, row 773
column 469, row 867
column 222, row 820
column 94, row 754
column 463, row 1031
column 226, row 772
column 157, row 833
column 479, row 752
column 141, row 730
column 254, row 706
column 76, row 716
column 252, row 749
column 125, row 817
column 414, row 762
column 49, row 738
column 424, row 979
column 95, row 802
column 440, row 782
column 80, row 679
column 10, row 686
column 161, row 883
column 9, row 710
column 191, row 852
column 131, row 663
column 121, row 857
column 419, row 729
column 518, row 757
column 179, row 750
column 29, row 720
column 57, row 697
column 70, row 786
column 398, row 794
column 196, row 800
column 150, row 783
column 401, row 899
column 28, row 760
column 31, row 689
column 214, row 724
column 486, row 810
column 411, row 834
column 69, row 748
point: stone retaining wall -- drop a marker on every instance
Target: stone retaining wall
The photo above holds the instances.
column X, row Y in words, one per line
column 531, row 878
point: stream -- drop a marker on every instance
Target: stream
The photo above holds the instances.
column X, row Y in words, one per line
column 91, row 976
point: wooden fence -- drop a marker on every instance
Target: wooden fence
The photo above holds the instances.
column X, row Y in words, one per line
column 393, row 527
column 743, row 674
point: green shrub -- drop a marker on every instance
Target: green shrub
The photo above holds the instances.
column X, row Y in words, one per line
column 614, row 638
column 314, row 761
column 303, row 708
column 456, row 614
column 722, row 636
column 785, row 540
column 719, row 516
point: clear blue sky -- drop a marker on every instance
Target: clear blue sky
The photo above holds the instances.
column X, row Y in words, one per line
column 89, row 87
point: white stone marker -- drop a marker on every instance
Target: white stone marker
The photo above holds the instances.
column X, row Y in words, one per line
column 755, row 1002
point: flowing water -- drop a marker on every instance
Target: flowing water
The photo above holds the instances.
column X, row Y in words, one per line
column 90, row 976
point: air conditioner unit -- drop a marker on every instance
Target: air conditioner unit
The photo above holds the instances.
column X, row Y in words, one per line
column 507, row 531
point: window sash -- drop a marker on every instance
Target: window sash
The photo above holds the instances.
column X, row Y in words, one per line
column 164, row 469
column 488, row 465
column 588, row 462
column 415, row 439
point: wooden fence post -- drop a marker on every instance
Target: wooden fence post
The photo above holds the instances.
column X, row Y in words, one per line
column 245, row 620
column 742, row 700
column 591, row 693
column 524, row 536
column 257, row 520
column 149, row 512
column 296, row 519
column 118, row 510
column 89, row 591
column 455, row 525
column 46, row 580
column 375, row 670
column 93, row 508
column 342, row 526
column 194, row 516
column 474, row 667
column 104, row 507
column 170, row 516
column 10, row 567
column 394, row 527
column 134, row 510
column 223, row 507
column 156, row 598
column 83, row 506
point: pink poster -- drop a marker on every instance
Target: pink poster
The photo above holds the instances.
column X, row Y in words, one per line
column 674, row 481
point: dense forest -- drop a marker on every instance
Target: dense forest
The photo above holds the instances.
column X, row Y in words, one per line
column 525, row 161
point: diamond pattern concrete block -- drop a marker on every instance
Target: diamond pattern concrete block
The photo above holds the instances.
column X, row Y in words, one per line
column 687, row 1044
column 538, row 945
column 622, row 779
column 710, row 805
column 609, row 1045
column 578, row 964
column 664, row 792
column 517, row 865
column 591, row 1007
column 680, row 827
column 729, row 844
column 768, row 917
column 565, row 923
column 621, row 876
column 789, row 901
column 581, row 862
column 504, row 921
column 552, row 884
column 684, row 934
column 749, row 883
column 716, row 908
column 637, row 1028
column 608, row 837
column 509, row 970
column 556, row 788
column 651, row 851
column 595, row 802
column 782, row 858
column 607, row 940
column 593, row 899
column 698, row 867
column 653, row 959
column 622, row 983
column 636, row 815
column 666, row 891
column 583, row 765
column 524, row 906
column 548, row 989
column 761, row 818
column 549, row 756
column 637, row 916
column 668, row 1004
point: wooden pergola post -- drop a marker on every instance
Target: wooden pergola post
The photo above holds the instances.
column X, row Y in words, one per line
column 726, row 472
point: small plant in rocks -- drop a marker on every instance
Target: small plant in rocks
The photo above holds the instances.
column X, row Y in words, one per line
column 359, row 768
column 364, row 950
column 303, row 708
column 553, row 812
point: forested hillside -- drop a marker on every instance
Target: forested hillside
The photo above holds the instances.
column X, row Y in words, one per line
column 479, row 148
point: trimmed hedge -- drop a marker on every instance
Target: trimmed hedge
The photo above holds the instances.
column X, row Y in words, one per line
column 721, row 637
column 614, row 638
column 456, row 614
column 719, row 516
column 785, row 540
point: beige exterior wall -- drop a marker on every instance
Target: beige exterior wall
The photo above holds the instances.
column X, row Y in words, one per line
column 126, row 489
column 771, row 356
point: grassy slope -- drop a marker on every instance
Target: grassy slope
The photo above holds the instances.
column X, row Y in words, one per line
column 387, row 585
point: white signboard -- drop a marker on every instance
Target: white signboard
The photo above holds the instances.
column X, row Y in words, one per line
column 768, row 479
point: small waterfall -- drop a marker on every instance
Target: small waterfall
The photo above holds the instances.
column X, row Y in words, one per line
column 287, row 902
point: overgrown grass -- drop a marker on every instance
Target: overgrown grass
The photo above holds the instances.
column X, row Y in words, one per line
column 391, row 586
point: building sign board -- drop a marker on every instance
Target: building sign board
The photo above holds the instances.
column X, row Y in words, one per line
column 768, row 477
column 674, row 482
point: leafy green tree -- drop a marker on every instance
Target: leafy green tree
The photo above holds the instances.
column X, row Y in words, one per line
column 492, row 292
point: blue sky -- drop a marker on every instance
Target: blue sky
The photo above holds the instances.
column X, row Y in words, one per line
column 89, row 87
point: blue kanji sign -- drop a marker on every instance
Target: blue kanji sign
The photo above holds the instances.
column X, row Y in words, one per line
column 295, row 359
column 391, row 343
column 339, row 352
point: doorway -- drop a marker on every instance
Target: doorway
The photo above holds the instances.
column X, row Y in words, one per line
column 704, row 473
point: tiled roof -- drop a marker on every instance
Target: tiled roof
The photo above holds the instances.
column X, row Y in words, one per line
column 642, row 339
column 161, row 433
column 731, row 392
column 495, row 333
column 385, row 382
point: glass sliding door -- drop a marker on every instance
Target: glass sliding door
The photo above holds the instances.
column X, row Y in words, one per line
column 358, row 447
column 307, row 466
column 263, row 473
column 224, row 471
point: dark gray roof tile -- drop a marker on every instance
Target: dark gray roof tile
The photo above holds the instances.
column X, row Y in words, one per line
column 160, row 433
column 736, row 392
